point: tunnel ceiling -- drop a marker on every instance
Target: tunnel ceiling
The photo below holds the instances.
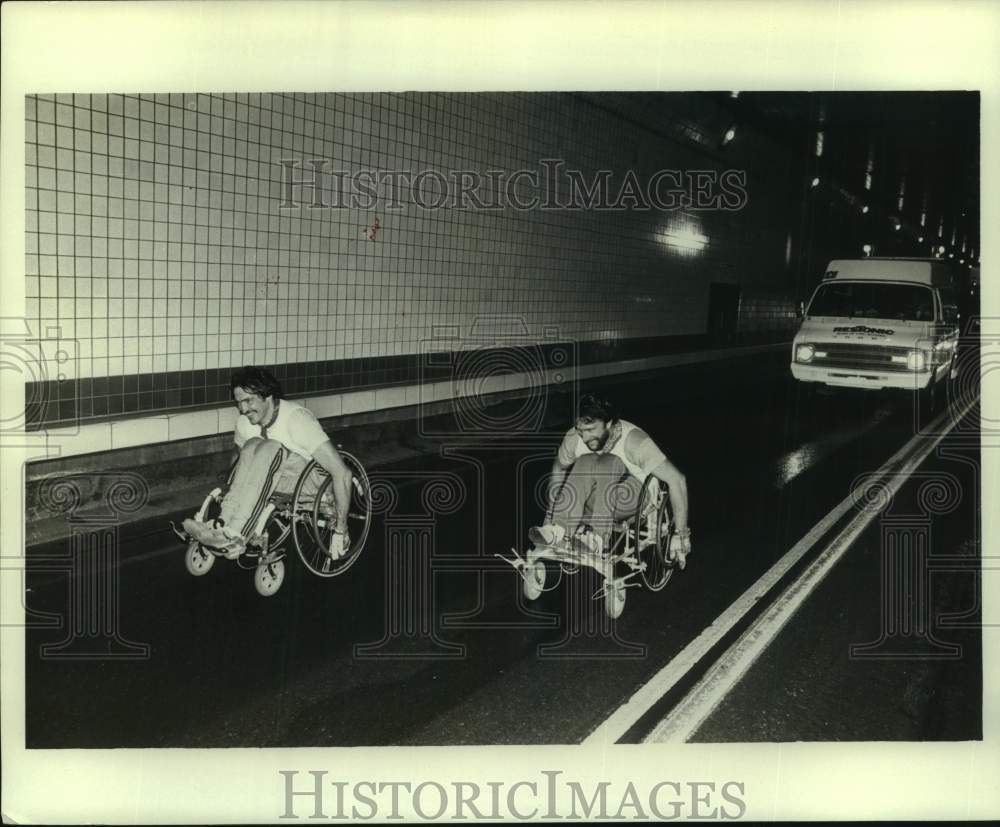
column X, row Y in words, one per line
column 925, row 143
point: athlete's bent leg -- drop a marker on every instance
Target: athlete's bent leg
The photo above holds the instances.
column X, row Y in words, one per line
column 253, row 482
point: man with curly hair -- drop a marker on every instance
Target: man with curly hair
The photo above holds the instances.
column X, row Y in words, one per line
column 275, row 440
column 597, row 477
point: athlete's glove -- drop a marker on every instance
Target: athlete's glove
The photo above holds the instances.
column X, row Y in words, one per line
column 340, row 542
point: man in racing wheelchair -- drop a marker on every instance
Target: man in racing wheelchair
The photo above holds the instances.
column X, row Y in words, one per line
column 597, row 477
column 275, row 440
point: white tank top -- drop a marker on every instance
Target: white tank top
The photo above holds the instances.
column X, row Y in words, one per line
column 618, row 449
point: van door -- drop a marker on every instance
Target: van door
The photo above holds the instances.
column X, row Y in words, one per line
column 948, row 327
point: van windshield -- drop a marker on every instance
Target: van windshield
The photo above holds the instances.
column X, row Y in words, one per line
column 868, row 300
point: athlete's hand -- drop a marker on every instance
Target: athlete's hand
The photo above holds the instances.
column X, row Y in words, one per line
column 680, row 548
column 339, row 544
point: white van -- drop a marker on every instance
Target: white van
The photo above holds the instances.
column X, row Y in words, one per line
column 878, row 323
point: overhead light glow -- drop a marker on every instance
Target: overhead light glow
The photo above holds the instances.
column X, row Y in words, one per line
column 815, row 182
column 819, row 144
column 868, row 180
column 730, row 134
column 920, row 239
column 864, row 209
column 683, row 238
column 867, row 249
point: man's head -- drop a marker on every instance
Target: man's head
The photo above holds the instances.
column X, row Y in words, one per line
column 595, row 416
column 256, row 392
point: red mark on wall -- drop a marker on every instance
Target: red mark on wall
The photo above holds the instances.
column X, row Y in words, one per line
column 371, row 232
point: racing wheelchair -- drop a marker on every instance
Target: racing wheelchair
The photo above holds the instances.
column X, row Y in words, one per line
column 306, row 516
column 638, row 546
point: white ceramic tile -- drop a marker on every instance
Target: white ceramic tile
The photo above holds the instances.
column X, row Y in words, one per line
column 358, row 402
column 389, row 398
column 325, row 406
column 147, row 430
column 87, row 439
column 193, row 424
column 227, row 418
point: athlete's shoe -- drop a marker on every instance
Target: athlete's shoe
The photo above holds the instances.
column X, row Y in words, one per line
column 590, row 541
column 339, row 545
column 215, row 537
column 546, row 535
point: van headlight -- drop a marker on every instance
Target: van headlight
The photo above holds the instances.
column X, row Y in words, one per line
column 804, row 353
column 916, row 360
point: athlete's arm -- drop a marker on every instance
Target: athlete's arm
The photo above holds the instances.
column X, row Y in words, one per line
column 309, row 434
column 645, row 453
column 677, row 491
column 327, row 457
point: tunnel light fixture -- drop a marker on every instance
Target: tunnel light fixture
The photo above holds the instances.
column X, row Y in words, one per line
column 940, row 248
column 734, row 94
column 951, row 255
column 864, row 209
column 815, row 182
column 897, row 227
column 920, row 239
column 819, row 144
column 868, row 180
column 685, row 239
column 730, row 134
column 866, row 249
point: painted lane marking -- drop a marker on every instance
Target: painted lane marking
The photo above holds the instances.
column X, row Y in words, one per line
column 622, row 719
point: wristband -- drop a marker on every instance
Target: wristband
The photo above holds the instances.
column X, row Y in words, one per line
column 684, row 533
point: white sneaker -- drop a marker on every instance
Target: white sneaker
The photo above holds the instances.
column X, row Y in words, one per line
column 590, row 541
column 339, row 545
column 231, row 544
column 546, row 535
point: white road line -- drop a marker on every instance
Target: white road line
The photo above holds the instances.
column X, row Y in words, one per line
column 649, row 693
column 698, row 704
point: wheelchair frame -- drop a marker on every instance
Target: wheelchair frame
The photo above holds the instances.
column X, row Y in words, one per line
column 306, row 518
column 639, row 543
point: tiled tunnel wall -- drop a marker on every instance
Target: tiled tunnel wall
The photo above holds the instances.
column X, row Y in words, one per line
column 162, row 245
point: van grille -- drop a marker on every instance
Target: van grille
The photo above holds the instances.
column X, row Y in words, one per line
column 860, row 357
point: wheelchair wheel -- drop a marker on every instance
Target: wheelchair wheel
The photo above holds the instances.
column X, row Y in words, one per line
column 614, row 600
column 652, row 537
column 533, row 579
column 197, row 560
column 268, row 577
column 313, row 518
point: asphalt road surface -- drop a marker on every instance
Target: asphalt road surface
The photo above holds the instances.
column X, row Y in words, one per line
column 428, row 640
